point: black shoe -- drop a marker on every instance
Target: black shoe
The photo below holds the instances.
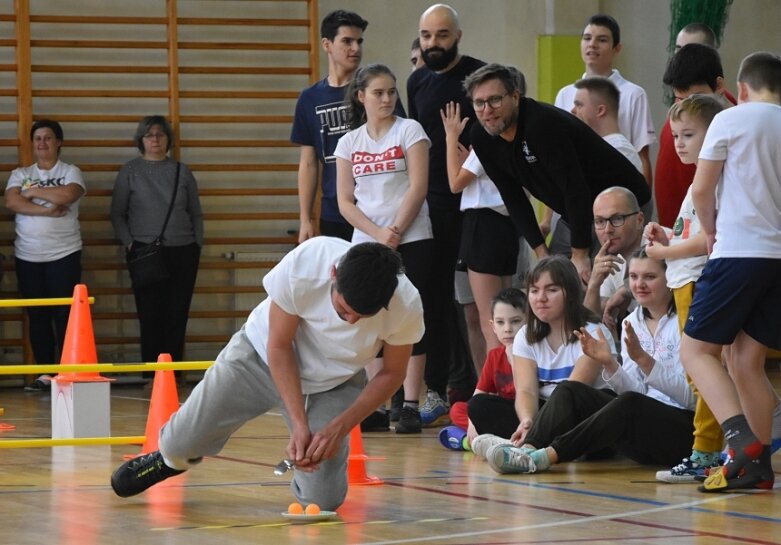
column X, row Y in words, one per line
column 409, row 421
column 397, row 402
column 138, row 474
column 377, row 421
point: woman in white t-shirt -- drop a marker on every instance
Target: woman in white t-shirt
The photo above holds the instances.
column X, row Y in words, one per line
column 45, row 198
column 381, row 184
column 546, row 351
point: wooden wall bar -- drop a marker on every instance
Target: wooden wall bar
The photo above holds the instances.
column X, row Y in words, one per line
column 226, row 73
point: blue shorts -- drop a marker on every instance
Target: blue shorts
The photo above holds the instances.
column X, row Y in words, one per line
column 735, row 294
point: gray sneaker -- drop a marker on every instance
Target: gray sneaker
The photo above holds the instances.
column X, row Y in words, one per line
column 482, row 443
column 509, row 459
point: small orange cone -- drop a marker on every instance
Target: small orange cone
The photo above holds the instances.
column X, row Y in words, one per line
column 5, row 427
column 356, row 462
column 164, row 403
column 79, row 346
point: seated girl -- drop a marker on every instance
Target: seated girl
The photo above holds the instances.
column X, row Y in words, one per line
column 546, row 351
column 651, row 419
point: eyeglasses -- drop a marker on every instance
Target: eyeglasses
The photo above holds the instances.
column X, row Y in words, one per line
column 616, row 221
column 155, row 135
column 493, row 102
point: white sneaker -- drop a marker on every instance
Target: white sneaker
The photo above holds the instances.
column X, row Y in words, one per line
column 510, row 459
column 482, row 443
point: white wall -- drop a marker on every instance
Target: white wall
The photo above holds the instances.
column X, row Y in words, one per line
column 506, row 31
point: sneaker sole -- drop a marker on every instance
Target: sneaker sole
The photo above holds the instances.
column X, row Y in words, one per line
column 443, row 420
column 667, row 477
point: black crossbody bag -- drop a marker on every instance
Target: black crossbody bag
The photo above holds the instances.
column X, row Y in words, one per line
column 146, row 263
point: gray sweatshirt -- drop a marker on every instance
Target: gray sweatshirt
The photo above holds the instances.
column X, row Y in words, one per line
column 139, row 203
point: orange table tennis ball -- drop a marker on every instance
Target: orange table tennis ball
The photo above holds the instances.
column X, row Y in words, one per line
column 312, row 509
column 295, row 508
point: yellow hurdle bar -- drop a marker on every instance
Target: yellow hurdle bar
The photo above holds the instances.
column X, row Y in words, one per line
column 75, row 442
column 103, row 367
column 51, row 302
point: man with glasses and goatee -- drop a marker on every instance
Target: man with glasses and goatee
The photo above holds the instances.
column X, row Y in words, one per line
column 528, row 145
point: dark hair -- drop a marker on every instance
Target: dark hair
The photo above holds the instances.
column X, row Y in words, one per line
column 367, row 276
column 356, row 112
column 415, row 44
column 605, row 20
column 510, row 296
column 147, row 123
column 703, row 107
column 562, row 273
column 642, row 254
column 55, row 127
column 701, row 28
column 693, row 64
column 762, row 72
column 511, row 78
column 329, row 28
column 605, row 89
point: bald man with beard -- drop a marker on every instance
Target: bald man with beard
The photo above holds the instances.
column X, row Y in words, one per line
column 429, row 89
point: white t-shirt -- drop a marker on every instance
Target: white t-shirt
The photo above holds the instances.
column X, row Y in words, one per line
column 667, row 381
column 554, row 367
column 620, row 142
column 686, row 269
column 748, row 139
column 634, row 114
column 41, row 239
column 381, row 177
column 330, row 350
column 614, row 281
column 481, row 192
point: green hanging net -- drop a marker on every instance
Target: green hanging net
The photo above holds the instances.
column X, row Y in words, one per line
column 713, row 13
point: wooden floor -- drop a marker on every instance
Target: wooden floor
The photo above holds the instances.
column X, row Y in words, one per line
column 430, row 495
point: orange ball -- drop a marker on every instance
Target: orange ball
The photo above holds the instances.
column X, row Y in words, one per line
column 312, row 509
column 295, row 508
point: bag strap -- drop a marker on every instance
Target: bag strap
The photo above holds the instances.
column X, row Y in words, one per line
column 173, row 198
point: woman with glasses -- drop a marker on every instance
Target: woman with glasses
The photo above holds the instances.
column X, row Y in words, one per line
column 45, row 199
column 144, row 190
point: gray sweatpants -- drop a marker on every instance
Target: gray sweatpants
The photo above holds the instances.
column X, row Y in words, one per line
column 236, row 389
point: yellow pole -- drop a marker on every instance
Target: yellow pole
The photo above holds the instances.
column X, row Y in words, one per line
column 50, row 302
column 104, row 367
column 75, row 442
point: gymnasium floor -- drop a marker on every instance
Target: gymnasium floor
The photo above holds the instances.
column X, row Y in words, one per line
column 430, row 495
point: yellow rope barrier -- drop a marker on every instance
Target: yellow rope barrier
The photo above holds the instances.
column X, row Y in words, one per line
column 51, row 302
column 104, row 367
column 75, row 442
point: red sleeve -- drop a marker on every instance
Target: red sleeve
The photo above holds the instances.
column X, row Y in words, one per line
column 672, row 178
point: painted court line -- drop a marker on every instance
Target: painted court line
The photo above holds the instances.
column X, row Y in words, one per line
column 595, row 518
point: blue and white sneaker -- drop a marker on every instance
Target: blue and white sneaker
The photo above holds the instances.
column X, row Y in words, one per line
column 510, row 459
column 685, row 472
column 434, row 411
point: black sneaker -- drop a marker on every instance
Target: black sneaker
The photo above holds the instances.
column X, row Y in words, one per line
column 377, row 421
column 138, row 474
column 409, row 421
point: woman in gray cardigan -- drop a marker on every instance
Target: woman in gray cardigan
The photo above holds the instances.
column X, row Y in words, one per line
column 142, row 194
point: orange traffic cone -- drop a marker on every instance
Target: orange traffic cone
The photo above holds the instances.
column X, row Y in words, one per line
column 356, row 462
column 164, row 403
column 79, row 344
column 5, row 427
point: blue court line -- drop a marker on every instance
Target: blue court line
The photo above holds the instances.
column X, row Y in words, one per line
column 616, row 497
